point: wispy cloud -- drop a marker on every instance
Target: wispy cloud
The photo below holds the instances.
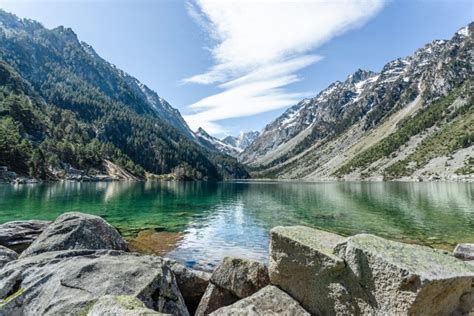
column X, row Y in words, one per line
column 260, row 45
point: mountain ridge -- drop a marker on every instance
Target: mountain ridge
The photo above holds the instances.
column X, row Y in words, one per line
column 230, row 145
column 106, row 106
column 362, row 103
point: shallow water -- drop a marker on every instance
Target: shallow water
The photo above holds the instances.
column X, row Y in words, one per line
column 234, row 218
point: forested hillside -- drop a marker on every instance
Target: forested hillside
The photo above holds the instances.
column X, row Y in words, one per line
column 65, row 107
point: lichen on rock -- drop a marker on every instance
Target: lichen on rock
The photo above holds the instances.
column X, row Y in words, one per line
column 120, row 305
column 66, row 282
column 409, row 279
column 76, row 230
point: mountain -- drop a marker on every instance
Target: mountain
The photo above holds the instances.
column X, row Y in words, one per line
column 215, row 144
column 104, row 112
column 229, row 145
column 413, row 120
column 244, row 140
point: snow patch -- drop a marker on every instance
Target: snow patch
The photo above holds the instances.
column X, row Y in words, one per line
column 290, row 120
column 220, row 145
column 464, row 31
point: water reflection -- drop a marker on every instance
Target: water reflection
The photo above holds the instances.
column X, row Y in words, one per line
column 218, row 219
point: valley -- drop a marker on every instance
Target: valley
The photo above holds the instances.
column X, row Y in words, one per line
column 66, row 113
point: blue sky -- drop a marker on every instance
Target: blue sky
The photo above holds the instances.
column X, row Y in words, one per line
column 234, row 66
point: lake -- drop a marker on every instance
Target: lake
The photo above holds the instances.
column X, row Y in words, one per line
column 213, row 220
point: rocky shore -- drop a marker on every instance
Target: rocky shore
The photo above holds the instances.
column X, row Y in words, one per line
column 109, row 172
column 80, row 265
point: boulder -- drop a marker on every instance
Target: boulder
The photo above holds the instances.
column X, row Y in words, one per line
column 241, row 277
column 77, row 231
column 408, row 279
column 268, row 301
column 19, row 235
column 191, row 283
column 303, row 264
column 233, row 279
column 6, row 255
column 70, row 281
column 120, row 305
column 213, row 299
column 464, row 252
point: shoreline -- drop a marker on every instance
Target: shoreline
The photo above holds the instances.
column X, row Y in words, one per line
column 256, row 180
column 306, row 272
column 142, row 239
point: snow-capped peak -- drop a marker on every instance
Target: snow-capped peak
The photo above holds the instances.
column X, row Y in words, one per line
column 214, row 143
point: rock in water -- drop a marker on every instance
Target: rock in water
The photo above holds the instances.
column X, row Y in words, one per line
column 6, row 255
column 242, row 277
column 191, row 283
column 268, row 301
column 19, row 235
column 77, row 231
column 234, row 278
column 303, row 264
column 69, row 282
column 408, row 279
column 464, row 252
column 213, row 299
column 121, row 305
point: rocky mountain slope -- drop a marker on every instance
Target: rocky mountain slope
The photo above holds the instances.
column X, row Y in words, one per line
column 413, row 120
column 215, row 144
column 63, row 108
column 244, row 140
column 229, row 145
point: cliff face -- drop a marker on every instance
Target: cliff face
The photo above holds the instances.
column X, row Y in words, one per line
column 412, row 120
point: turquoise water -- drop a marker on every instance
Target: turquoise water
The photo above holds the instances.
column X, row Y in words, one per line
column 234, row 218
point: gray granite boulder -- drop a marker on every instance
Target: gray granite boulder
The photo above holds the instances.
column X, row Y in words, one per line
column 408, row 279
column 268, row 301
column 6, row 255
column 464, row 252
column 19, row 235
column 303, row 264
column 69, row 282
column 242, row 277
column 213, row 299
column 233, row 279
column 77, row 231
column 120, row 305
column 191, row 283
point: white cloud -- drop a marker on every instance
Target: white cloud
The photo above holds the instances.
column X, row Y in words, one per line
column 260, row 45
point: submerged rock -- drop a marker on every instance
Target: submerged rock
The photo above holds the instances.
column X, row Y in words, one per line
column 191, row 283
column 69, row 282
column 241, row 277
column 77, row 231
column 6, row 255
column 464, row 252
column 408, row 279
column 268, row 301
column 120, row 305
column 151, row 242
column 19, row 235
